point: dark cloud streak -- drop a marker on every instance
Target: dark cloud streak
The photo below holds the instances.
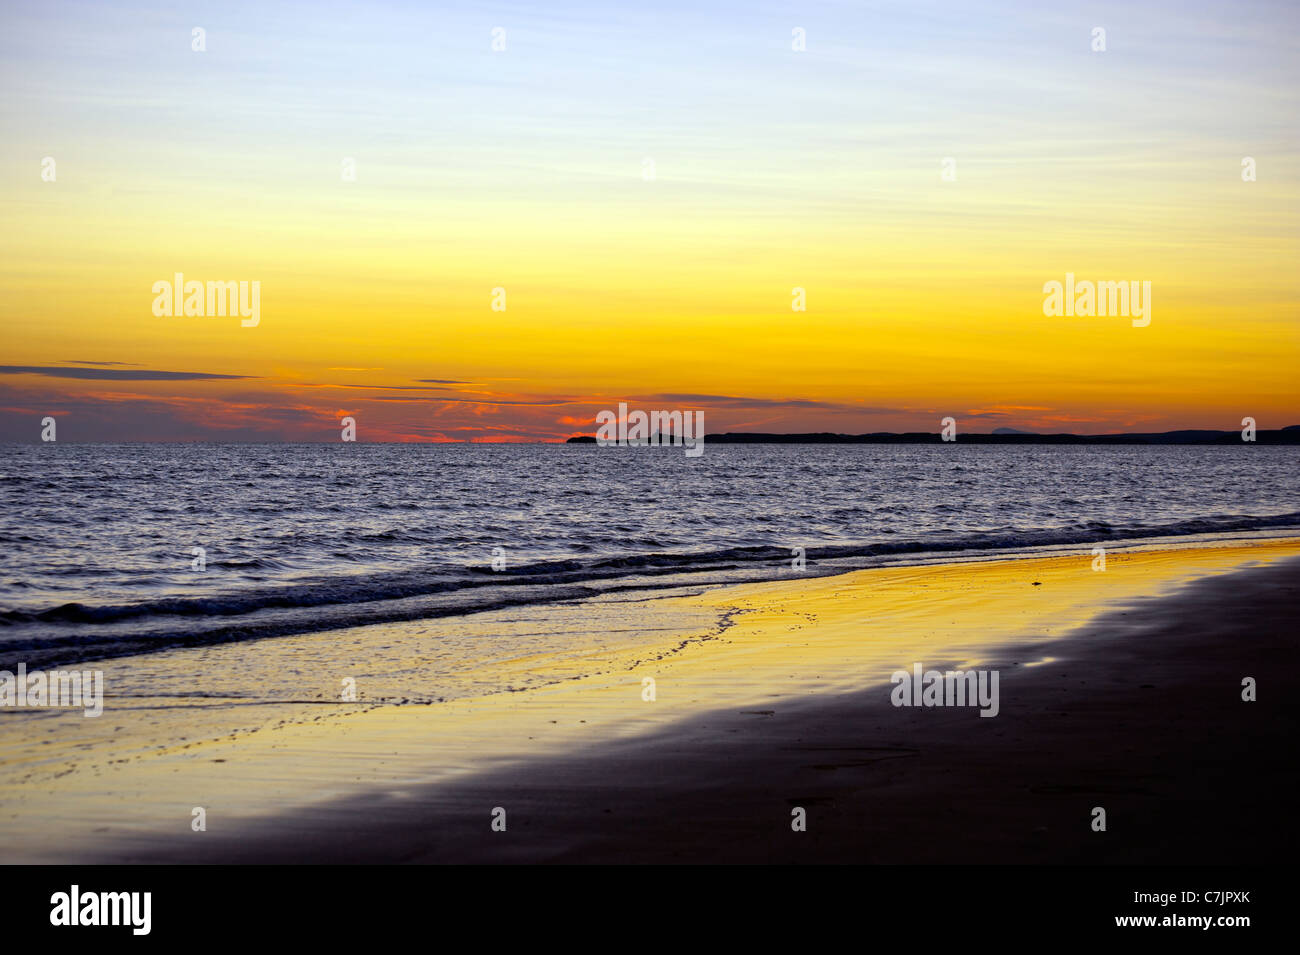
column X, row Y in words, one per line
column 79, row 361
column 734, row 401
column 116, row 374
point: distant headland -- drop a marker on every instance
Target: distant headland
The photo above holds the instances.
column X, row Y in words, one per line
column 1284, row 436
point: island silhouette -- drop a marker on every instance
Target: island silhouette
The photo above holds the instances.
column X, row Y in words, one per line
column 1289, row 435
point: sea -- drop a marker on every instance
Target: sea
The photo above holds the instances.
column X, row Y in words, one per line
column 110, row 550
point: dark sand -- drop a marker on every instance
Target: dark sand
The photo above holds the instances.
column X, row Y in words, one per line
column 1140, row 714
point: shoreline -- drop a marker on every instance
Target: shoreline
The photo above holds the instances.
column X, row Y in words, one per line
column 779, row 650
column 756, row 565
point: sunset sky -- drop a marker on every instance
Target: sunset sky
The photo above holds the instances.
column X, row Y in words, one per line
column 525, row 169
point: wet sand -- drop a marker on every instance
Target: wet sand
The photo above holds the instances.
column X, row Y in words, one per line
column 1119, row 689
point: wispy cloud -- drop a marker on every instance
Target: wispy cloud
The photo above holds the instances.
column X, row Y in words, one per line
column 78, row 361
column 736, row 401
column 115, row 374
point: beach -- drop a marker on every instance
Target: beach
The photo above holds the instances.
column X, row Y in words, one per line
column 1119, row 688
column 567, row 435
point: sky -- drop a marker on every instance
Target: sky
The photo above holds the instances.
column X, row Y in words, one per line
column 648, row 184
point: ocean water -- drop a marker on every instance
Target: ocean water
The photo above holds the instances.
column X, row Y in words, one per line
column 98, row 540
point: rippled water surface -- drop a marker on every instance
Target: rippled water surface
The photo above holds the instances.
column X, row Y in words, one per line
column 98, row 539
